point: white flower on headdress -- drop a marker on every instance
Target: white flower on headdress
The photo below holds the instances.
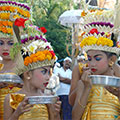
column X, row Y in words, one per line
column 32, row 48
column 25, row 51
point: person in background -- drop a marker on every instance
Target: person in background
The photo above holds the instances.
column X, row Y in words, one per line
column 65, row 74
column 7, row 8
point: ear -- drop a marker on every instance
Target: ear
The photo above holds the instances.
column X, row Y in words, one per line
column 28, row 75
column 113, row 58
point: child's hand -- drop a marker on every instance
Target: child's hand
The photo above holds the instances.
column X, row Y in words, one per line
column 23, row 107
column 115, row 91
column 19, row 85
column 85, row 77
column 3, row 85
column 54, row 109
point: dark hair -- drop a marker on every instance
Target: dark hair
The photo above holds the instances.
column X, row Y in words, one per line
column 109, row 54
column 21, row 76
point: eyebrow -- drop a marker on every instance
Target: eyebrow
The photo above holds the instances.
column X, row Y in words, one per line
column 96, row 55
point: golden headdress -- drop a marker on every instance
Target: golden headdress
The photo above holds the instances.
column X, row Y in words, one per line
column 10, row 10
column 99, row 30
column 31, row 49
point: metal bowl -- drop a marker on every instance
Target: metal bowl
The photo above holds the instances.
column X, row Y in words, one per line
column 10, row 78
column 105, row 80
column 42, row 99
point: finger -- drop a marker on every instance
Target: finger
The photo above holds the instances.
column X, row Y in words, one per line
column 26, row 110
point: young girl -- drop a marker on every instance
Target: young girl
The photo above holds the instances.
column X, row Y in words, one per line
column 6, row 42
column 94, row 102
column 34, row 67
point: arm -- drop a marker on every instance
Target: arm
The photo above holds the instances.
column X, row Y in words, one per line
column 54, row 110
column 83, row 89
column 65, row 80
column 82, row 94
column 10, row 113
column 75, row 79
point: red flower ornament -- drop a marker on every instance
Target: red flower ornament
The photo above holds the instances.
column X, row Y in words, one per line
column 43, row 29
column 94, row 30
column 20, row 22
column 52, row 52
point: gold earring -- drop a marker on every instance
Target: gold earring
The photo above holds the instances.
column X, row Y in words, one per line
column 111, row 63
column 28, row 78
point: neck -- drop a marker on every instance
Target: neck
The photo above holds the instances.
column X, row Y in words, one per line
column 8, row 65
column 64, row 68
column 109, row 72
column 30, row 90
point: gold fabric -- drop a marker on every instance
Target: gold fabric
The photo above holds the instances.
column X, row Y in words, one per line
column 102, row 105
column 3, row 92
column 37, row 112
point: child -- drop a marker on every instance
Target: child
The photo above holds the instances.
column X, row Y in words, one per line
column 6, row 42
column 34, row 57
column 94, row 102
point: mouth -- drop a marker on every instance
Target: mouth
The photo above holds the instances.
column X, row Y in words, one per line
column 45, row 84
column 5, row 54
column 93, row 70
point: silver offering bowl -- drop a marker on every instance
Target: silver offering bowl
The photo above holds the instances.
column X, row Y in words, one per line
column 10, row 78
column 105, row 80
column 42, row 99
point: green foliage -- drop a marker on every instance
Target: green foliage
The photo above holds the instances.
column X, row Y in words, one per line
column 46, row 13
column 15, row 49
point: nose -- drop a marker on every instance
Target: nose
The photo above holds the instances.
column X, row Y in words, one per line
column 47, row 76
column 93, row 63
column 5, row 47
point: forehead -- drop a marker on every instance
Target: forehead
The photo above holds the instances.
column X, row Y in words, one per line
column 7, row 39
column 67, row 61
column 95, row 52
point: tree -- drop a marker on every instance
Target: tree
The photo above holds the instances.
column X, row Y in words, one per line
column 46, row 13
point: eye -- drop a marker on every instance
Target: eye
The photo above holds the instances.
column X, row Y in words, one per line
column 1, row 42
column 98, row 58
column 44, row 71
column 89, row 59
column 10, row 43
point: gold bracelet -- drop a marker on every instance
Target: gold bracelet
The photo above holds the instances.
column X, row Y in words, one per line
column 83, row 106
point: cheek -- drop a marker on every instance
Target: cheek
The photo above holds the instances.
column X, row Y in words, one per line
column 103, row 64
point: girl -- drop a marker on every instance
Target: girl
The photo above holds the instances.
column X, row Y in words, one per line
column 34, row 67
column 94, row 102
column 6, row 42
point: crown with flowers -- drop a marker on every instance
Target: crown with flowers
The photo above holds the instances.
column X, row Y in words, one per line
column 98, row 30
column 31, row 49
column 8, row 11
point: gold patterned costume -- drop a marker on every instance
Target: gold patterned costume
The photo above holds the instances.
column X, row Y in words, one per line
column 3, row 92
column 38, row 111
column 101, row 105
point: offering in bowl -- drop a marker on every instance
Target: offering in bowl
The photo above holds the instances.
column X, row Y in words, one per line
column 42, row 99
column 10, row 78
column 105, row 80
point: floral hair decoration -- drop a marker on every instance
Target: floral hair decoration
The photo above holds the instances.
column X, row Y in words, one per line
column 31, row 49
column 8, row 9
column 98, row 30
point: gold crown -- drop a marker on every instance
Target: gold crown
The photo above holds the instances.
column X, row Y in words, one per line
column 9, row 9
column 98, row 30
column 31, row 49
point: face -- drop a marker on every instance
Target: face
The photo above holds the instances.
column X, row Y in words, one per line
column 40, row 77
column 5, row 45
column 98, row 62
column 67, row 64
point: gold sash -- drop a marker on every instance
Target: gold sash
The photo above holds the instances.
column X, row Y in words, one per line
column 3, row 92
column 38, row 111
column 102, row 105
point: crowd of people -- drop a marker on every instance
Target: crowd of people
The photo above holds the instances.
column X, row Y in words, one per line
column 26, row 53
